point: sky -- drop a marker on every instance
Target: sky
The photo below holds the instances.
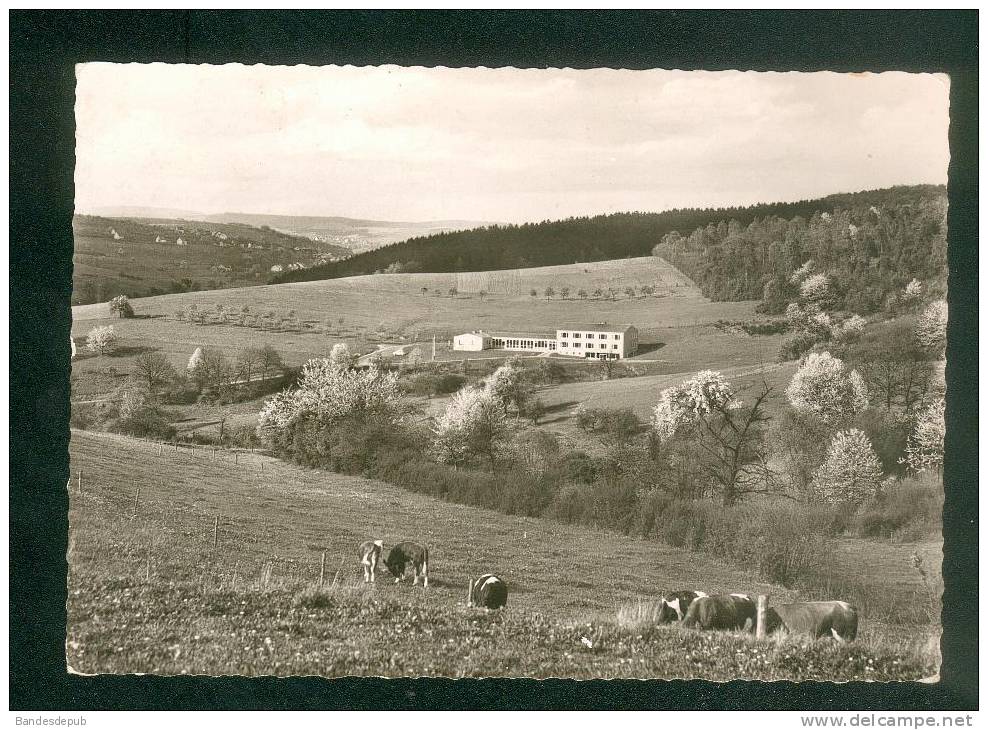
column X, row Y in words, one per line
column 507, row 145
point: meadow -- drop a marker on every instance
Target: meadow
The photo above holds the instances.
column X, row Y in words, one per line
column 213, row 567
column 676, row 324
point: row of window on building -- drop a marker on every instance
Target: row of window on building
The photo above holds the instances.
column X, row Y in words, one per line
column 602, row 346
column 500, row 343
column 589, row 336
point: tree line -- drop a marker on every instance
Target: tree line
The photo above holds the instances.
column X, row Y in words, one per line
column 582, row 239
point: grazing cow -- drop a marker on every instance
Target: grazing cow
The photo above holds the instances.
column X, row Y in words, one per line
column 673, row 606
column 731, row 612
column 370, row 556
column 409, row 552
column 814, row 619
column 488, row 591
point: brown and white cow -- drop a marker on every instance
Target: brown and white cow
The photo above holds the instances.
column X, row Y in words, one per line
column 815, row 619
column 409, row 553
column 370, row 556
column 673, row 605
column 488, row 591
column 729, row 612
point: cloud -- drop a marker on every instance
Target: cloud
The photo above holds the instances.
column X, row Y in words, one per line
column 494, row 144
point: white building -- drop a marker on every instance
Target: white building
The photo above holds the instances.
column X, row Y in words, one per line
column 598, row 342
column 472, row 342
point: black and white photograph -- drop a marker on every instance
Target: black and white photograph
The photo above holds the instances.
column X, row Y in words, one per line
column 398, row 371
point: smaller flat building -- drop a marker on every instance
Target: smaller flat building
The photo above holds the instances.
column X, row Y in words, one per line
column 472, row 342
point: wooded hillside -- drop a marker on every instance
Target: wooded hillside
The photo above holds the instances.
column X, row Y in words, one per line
column 584, row 239
column 868, row 245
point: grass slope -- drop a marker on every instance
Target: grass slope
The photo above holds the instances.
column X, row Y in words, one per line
column 675, row 322
column 149, row 593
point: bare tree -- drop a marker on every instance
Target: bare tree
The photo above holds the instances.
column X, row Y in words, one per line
column 732, row 439
column 270, row 360
column 249, row 361
column 153, row 369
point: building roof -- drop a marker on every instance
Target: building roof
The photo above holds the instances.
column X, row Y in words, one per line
column 599, row 327
column 500, row 334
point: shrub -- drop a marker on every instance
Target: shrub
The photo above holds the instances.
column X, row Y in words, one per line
column 616, row 425
column 924, row 448
column 639, row 615
column 770, row 327
column 689, row 401
column 82, row 415
column 779, row 539
column 472, row 426
column 851, row 472
column 578, row 466
column 911, row 509
column 120, row 306
column 244, row 436
column 570, row 504
column 887, row 431
column 931, row 329
column 101, row 340
column 793, row 348
column 816, row 288
column 826, row 388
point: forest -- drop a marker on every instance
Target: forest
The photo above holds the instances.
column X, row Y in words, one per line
column 868, row 249
column 598, row 238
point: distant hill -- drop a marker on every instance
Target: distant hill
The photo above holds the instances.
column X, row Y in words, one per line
column 356, row 234
column 585, row 239
column 148, row 256
column 140, row 211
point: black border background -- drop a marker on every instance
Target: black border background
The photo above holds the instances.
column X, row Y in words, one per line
column 45, row 45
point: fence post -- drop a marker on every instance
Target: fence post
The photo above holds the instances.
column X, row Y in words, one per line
column 760, row 617
column 236, row 457
column 137, row 502
column 322, row 568
column 80, row 481
column 216, row 528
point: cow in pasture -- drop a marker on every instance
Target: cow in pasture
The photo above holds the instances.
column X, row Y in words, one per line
column 405, row 553
column 673, row 605
column 370, row 556
column 814, row 619
column 730, row 612
column 488, row 591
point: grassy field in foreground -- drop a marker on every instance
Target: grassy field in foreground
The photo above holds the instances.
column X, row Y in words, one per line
column 148, row 592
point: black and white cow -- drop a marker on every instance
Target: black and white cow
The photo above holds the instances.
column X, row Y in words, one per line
column 729, row 612
column 815, row 619
column 370, row 556
column 673, row 605
column 488, row 591
column 409, row 553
